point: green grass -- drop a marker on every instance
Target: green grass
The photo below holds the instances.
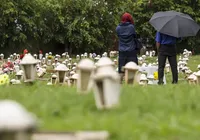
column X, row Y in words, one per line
column 169, row 112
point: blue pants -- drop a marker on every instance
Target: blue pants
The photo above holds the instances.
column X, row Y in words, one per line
column 125, row 57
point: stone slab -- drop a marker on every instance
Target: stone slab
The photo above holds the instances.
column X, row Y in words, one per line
column 52, row 136
column 81, row 135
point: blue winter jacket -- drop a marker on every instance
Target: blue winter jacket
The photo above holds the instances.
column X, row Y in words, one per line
column 126, row 34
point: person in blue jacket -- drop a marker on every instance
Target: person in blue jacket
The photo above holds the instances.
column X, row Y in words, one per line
column 166, row 46
column 127, row 47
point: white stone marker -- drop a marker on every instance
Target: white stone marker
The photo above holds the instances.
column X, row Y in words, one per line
column 64, row 55
column 150, row 79
column 131, row 70
column 19, row 75
column 18, row 56
column 167, row 68
column 192, row 79
column 150, row 54
column 15, row 122
column 198, row 77
column 40, row 56
column 73, row 79
column 35, row 56
column 49, row 62
column 54, row 79
column 106, row 84
column 41, row 72
column 14, row 55
column 43, row 60
column 2, row 56
column 143, row 80
column 85, row 69
column 90, row 56
column 16, row 67
column 70, row 60
column 67, row 81
column 61, row 70
column 77, row 57
column 69, row 65
column 85, row 55
column 28, row 65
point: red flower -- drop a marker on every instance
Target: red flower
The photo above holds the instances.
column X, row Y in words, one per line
column 25, row 51
column 21, row 56
column 10, row 64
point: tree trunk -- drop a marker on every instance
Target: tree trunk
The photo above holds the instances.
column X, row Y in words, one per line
column 68, row 47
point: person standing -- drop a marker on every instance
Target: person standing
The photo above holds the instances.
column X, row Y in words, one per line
column 127, row 47
column 166, row 46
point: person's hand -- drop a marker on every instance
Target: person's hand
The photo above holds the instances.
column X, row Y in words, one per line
column 157, row 47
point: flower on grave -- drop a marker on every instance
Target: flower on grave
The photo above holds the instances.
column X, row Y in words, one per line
column 24, row 53
column 4, row 79
column 10, row 64
column 7, row 67
column 155, row 75
column 50, row 57
column 17, row 61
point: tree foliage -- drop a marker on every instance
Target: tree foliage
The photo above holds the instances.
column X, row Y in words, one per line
column 87, row 25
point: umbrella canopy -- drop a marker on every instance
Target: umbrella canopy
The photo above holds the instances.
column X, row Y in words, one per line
column 174, row 24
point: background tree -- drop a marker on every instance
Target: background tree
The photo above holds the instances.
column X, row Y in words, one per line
column 79, row 26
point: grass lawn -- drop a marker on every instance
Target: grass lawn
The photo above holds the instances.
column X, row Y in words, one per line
column 169, row 112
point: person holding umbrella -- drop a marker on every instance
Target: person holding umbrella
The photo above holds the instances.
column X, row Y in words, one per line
column 166, row 49
column 127, row 46
column 170, row 26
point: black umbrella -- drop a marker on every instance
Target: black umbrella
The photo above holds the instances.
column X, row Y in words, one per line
column 174, row 24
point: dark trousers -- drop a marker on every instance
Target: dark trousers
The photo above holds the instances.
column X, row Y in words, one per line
column 125, row 57
column 167, row 52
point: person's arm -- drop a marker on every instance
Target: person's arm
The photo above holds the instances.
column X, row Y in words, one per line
column 157, row 45
column 117, row 30
column 132, row 31
column 158, row 40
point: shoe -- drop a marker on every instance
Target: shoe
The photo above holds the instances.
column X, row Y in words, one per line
column 174, row 82
column 160, row 83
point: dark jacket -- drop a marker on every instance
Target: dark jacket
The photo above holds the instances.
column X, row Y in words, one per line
column 126, row 34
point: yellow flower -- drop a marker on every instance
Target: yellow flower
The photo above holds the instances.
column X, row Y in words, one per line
column 1, row 82
column 50, row 56
column 155, row 75
column 4, row 79
column 5, row 76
